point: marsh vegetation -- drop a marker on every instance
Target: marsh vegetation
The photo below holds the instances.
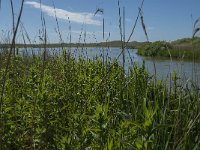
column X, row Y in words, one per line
column 185, row 49
column 62, row 102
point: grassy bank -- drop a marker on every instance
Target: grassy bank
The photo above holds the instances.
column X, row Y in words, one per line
column 63, row 103
column 176, row 50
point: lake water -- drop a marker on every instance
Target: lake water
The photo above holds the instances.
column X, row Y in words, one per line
column 163, row 68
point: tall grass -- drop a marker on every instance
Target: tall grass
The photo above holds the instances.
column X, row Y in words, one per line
column 59, row 102
column 69, row 107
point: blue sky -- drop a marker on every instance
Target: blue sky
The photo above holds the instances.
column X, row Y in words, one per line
column 164, row 19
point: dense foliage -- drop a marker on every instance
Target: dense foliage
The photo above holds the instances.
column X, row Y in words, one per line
column 155, row 49
column 178, row 50
column 62, row 103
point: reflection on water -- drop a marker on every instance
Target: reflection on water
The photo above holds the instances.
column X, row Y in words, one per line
column 186, row 70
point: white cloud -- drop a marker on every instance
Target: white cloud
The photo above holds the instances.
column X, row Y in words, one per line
column 84, row 17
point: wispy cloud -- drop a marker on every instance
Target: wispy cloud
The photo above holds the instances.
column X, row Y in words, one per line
column 84, row 17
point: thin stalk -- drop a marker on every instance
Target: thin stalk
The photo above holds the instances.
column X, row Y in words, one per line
column 58, row 26
column 121, row 36
column 6, row 70
column 124, row 38
column 13, row 22
column 135, row 23
column 13, row 17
